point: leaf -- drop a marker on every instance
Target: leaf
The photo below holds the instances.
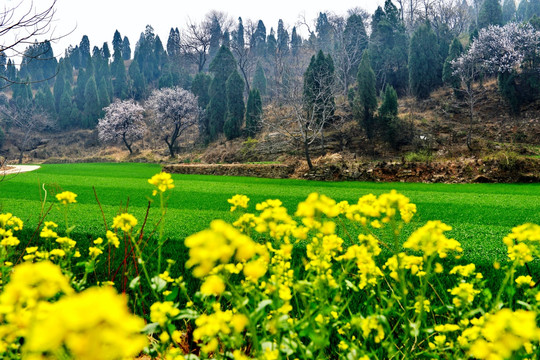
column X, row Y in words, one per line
column 187, row 314
column 351, row 286
column 262, row 305
column 150, row 328
column 158, row 283
column 134, row 283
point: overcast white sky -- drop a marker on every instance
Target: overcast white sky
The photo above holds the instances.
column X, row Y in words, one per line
column 100, row 18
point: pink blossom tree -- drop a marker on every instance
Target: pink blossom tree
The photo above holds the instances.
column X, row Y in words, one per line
column 123, row 121
column 175, row 111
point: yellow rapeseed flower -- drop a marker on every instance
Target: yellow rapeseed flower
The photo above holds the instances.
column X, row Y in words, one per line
column 213, row 285
column 238, row 201
column 66, row 197
column 125, row 222
column 161, row 312
column 162, row 182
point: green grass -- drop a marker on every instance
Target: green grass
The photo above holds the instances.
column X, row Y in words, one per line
column 480, row 214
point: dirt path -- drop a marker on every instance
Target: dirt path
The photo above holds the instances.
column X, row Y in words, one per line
column 16, row 169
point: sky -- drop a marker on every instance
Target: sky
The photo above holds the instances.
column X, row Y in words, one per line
column 100, row 18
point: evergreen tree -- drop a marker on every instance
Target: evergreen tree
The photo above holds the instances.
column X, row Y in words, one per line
column 173, row 43
column 239, row 35
column 508, row 10
column 11, row 70
column 235, row 106
column 84, row 51
column 120, row 86
column 45, row 101
column 65, row 112
column 138, row 82
column 258, row 40
column 296, row 42
column 490, row 14
column 215, row 37
column 423, row 62
column 282, row 39
column 126, row 49
column 389, row 48
column 105, row 52
column 324, row 33
column 259, row 80
column 271, row 44
column 22, row 93
column 117, row 42
column 365, row 101
column 318, row 95
column 456, row 49
column 80, row 87
column 58, row 89
column 222, row 67
column 226, row 39
column 103, row 94
column 92, row 102
column 355, row 42
column 200, row 87
column 253, row 113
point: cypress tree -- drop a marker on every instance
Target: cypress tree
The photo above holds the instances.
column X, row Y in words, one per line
column 138, row 82
column 324, row 33
column 282, row 39
column 423, row 62
column 126, row 49
column 222, row 67
column 199, row 87
column 355, row 42
column 103, row 93
column 84, row 50
column 117, row 42
column 259, row 80
column 173, row 43
column 58, row 89
column 456, row 49
column 215, row 37
column 271, row 44
column 105, row 52
column 80, row 87
column 66, row 110
column 490, row 14
column 258, row 39
column 120, row 86
column 365, row 101
column 521, row 12
column 296, row 42
column 253, row 113
column 235, row 106
column 318, row 94
column 92, row 102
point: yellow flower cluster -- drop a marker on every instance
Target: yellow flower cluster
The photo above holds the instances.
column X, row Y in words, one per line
column 238, row 201
column 162, row 182
column 66, row 197
column 162, row 312
column 523, row 243
column 9, row 224
column 125, row 222
column 364, row 257
column 220, row 244
column 500, row 335
column 430, row 239
column 464, row 294
column 90, row 325
column 219, row 323
column 386, row 207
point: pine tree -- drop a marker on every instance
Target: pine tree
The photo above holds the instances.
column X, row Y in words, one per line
column 215, row 37
column 80, row 87
column 253, row 113
column 238, row 37
column 235, row 106
column 103, row 93
column 423, row 62
column 456, row 49
column 92, row 102
column 521, row 12
column 271, row 44
column 222, row 67
column 324, row 33
column 58, row 89
column 508, row 10
column 365, row 101
column 200, row 87
column 117, row 42
column 259, row 80
column 126, row 49
column 490, row 14
column 105, row 52
column 138, row 82
column 173, row 43
column 120, row 86
column 355, row 42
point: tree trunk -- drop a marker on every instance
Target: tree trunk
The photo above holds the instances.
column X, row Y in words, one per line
column 21, row 156
column 127, row 144
column 471, row 117
column 306, row 153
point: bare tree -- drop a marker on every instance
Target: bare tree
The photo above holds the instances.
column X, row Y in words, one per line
column 21, row 25
column 175, row 111
column 194, row 43
column 26, row 122
column 123, row 120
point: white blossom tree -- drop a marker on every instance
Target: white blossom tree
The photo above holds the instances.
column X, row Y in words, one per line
column 123, row 121
column 175, row 110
